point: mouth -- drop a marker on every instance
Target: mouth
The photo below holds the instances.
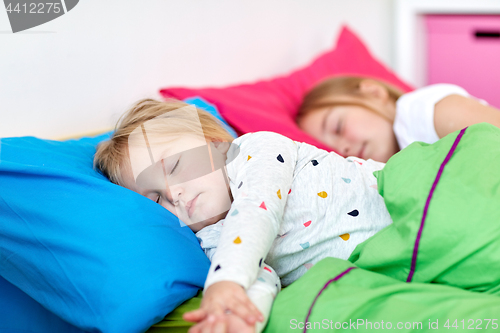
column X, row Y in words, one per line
column 190, row 206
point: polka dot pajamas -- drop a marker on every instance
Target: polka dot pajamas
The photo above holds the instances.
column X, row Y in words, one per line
column 294, row 204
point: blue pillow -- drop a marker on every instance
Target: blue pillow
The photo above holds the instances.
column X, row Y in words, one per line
column 21, row 314
column 210, row 108
column 99, row 256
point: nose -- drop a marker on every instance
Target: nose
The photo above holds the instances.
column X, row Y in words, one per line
column 174, row 193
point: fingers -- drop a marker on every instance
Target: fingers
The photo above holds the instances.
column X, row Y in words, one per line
column 256, row 311
column 247, row 311
column 195, row 316
column 219, row 325
column 202, row 313
column 213, row 324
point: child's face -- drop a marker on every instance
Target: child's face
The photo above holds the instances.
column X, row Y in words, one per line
column 187, row 179
column 352, row 130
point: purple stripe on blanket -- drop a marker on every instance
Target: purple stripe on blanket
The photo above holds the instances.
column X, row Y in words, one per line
column 324, row 287
column 424, row 216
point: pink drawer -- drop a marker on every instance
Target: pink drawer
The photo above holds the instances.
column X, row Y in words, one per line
column 465, row 50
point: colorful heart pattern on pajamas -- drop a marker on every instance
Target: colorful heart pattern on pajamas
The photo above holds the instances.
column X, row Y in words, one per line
column 308, row 265
column 345, row 237
column 322, row 194
column 354, row 213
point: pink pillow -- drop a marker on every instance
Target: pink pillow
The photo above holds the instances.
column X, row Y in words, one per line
column 271, row 105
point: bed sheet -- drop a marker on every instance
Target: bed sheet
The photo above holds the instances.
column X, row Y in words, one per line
column 173, row 322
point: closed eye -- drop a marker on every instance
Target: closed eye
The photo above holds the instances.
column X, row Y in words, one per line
column 158, row 199
column 175, row 166
column 339, row 127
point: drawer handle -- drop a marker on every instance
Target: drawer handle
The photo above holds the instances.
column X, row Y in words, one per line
column 487, row 34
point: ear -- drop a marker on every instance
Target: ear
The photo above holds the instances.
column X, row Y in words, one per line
column 221, row 146
column 374, row 89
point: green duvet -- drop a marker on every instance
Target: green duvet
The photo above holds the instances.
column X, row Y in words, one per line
column 436, row 268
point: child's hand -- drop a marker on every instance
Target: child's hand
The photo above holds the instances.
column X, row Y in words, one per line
column 223, row 296
column 226, row 323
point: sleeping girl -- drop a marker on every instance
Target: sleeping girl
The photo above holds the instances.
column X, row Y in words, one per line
column 264, row 207
column 371, row 119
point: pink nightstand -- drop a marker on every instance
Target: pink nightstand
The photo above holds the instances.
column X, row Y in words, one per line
column 465, row 50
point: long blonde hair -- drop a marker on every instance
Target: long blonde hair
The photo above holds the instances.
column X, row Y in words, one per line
column 111, row 155
column 340, row 86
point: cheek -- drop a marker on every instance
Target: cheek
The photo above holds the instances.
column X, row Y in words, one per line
column 373, row 127
column 358, row 130
column 217, row 193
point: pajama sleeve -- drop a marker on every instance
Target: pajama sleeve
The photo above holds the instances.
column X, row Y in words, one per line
column 261, row 177
column 264, row 289
column 262, row 293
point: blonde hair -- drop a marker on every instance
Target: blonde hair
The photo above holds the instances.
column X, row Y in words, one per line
column 317, row 97
column 111, row 155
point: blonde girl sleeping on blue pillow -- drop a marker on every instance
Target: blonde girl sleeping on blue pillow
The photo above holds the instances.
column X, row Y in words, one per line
column 264, row 207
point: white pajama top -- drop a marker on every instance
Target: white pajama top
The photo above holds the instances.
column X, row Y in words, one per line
column 294, row 204
column 414, row 120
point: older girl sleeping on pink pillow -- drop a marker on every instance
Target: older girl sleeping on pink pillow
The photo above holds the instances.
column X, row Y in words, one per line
column 374, row 120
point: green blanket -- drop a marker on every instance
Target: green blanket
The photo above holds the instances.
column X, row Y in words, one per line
column 365, row 301
column 444, row 200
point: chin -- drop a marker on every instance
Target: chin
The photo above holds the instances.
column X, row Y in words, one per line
column 378, row 158
column 202, row 223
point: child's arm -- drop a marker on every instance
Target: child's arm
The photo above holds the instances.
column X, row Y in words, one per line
column 261, row 177
column 455, row 112
column 263, row 292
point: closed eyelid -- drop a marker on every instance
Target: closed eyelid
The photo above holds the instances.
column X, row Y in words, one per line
column 328, row 129
column 175, row 166
column 325, row 118
column 339, row 127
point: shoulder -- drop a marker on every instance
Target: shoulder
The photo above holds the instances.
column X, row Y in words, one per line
column 262, row 135
column 431, row 94
column 261, row 139
column 414, row 120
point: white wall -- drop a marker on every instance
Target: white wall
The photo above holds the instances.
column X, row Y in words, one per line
column 79, row 72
